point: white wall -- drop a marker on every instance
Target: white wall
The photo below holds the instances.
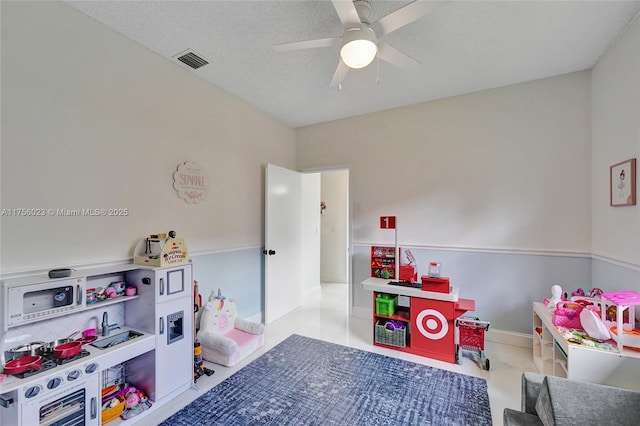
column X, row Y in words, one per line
column 335, row 226
column 93, row 120
column 615, row 120
column 495, row 185
column 504, row 169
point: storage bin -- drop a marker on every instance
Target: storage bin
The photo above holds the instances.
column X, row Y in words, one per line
column 396, row 337
column 386, row 304
column 113, row 412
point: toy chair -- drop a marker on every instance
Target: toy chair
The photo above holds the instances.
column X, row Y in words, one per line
column 225, row 338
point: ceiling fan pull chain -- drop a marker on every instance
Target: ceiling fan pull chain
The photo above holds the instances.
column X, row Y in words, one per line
column 378, row 67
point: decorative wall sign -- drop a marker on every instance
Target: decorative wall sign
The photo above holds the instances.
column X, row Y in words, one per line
column 191, row 182
column 622, row 180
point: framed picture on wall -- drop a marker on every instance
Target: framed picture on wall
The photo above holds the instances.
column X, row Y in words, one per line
column 623, row 183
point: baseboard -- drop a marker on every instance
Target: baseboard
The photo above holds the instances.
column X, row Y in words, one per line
column 331, row 279
column 493, row 335
column 510, row 338
column 307, row 297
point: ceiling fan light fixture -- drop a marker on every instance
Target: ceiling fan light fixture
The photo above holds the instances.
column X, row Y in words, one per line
column 359, row 47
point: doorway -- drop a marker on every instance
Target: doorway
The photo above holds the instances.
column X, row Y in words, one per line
column 334, row 227
column 293, row 228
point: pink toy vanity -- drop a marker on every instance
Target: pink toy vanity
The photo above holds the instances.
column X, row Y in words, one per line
column 623, row 300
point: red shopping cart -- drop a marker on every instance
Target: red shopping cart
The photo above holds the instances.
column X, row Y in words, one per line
column 471, row 338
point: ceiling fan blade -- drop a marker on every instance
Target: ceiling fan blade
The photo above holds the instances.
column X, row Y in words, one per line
column 347, row 13
column 307, row 44
column 395, row 57
column 339, row 75
column 403, row 16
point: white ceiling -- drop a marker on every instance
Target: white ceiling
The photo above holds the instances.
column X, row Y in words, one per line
column 463, row 47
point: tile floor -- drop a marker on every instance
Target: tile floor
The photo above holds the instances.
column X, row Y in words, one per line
column 327, row 319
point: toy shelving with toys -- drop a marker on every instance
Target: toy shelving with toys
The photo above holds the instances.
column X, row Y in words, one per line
column 556, row 356
column 615, row 308
column 383, row 262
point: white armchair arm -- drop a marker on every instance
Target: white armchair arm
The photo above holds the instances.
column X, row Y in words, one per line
column 248, row 326
column 217, row 341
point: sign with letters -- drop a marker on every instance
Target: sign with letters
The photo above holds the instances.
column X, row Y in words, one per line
column 191, row 182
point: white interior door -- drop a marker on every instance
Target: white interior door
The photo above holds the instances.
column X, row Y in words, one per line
column 283, row 242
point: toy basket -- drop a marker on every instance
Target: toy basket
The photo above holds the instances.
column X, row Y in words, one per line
column 471, row 338
column 113, row 412
column 567, row 314
column 396, row 337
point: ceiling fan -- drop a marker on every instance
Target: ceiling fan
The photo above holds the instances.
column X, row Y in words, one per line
column 360, row 44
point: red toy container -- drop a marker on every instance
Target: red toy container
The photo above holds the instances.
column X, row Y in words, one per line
column 408, row 273
column 437, row 284
column 471, row 338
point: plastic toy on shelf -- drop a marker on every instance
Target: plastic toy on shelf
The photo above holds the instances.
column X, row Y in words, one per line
column 624, row 301
column 161, row 250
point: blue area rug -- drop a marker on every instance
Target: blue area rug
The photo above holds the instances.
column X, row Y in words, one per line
column 304, row 381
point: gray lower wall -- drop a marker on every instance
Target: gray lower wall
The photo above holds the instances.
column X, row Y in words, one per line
column 239, row 274
column 613, row 276
column 504, row 285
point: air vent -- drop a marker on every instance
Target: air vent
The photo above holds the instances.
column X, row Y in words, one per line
column 191, row 59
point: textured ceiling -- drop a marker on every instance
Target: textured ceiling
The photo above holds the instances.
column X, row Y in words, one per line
column 463, row 47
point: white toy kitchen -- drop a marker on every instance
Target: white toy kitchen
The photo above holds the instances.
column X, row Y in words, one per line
column 143, row 340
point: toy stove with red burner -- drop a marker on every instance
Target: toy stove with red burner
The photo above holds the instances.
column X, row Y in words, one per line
column 83, row 353
column 62, row 391
column 49, row 362
column 45, row 365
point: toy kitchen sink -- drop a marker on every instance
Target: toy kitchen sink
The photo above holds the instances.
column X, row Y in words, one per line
column 109, row 342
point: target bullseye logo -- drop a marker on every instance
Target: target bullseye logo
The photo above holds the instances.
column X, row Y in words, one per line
column 436, row 324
